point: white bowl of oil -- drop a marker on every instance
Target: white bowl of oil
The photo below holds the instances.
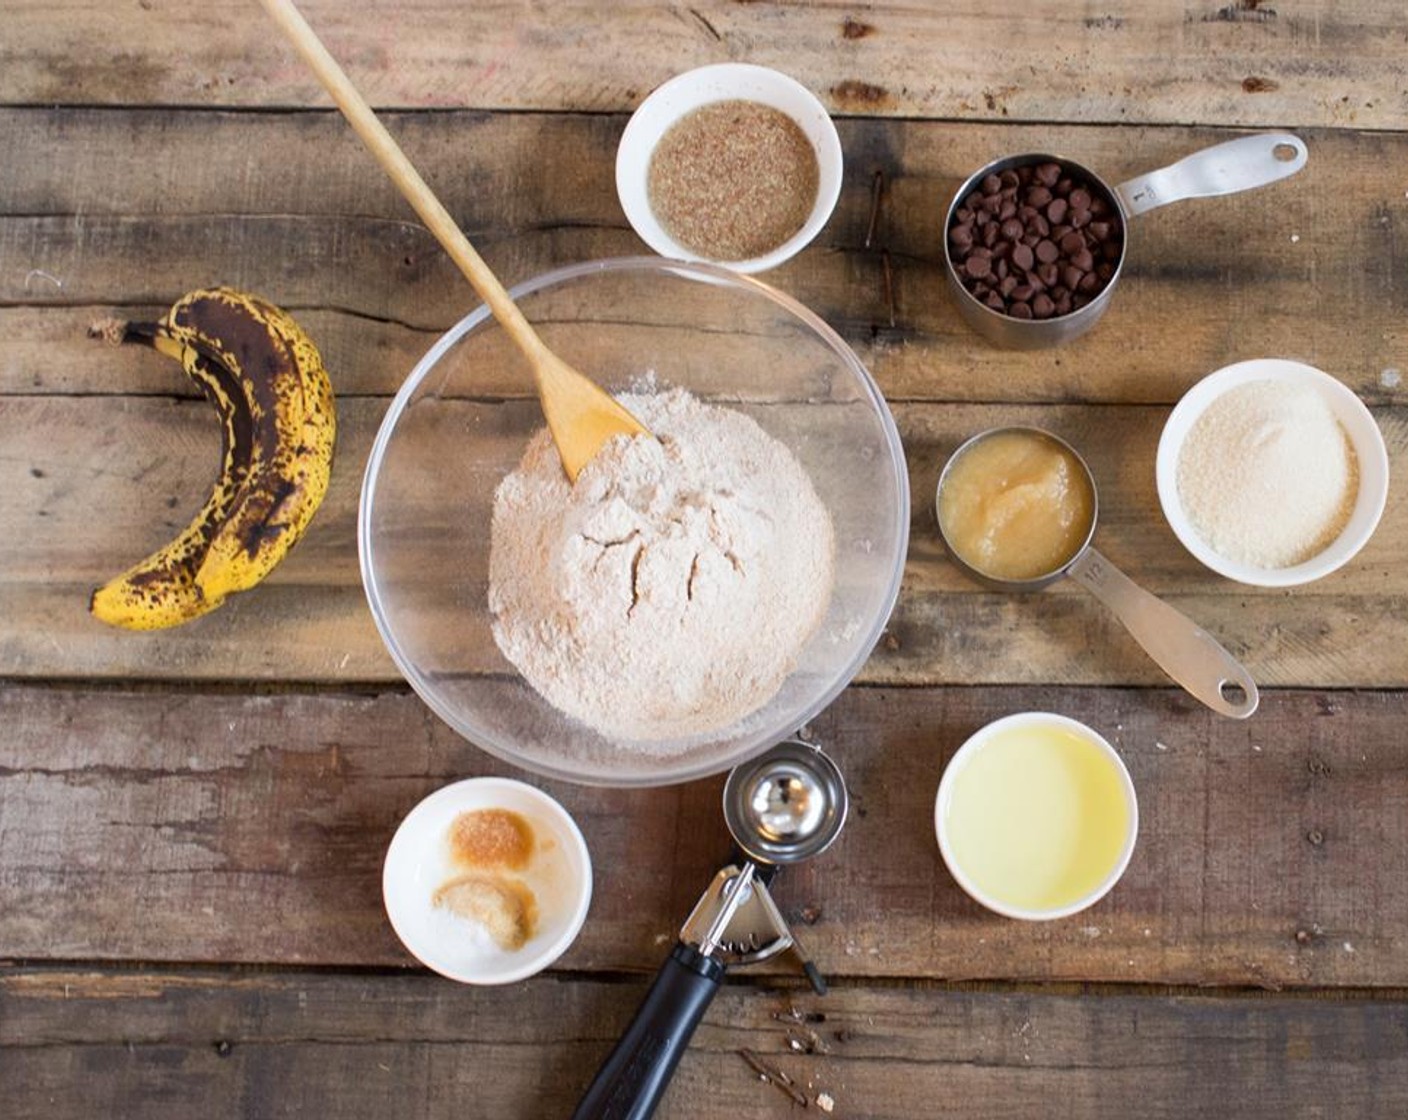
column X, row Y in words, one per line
column 1036, row 816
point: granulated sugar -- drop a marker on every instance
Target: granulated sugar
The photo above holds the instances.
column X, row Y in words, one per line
column 1267, row 475
column 669, row 592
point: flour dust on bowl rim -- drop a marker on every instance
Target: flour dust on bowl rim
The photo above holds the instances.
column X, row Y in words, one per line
column 462, row 419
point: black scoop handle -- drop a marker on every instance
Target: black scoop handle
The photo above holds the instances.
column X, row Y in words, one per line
column 634, row 1078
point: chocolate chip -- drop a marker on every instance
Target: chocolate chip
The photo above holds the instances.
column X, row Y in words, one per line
column 1036, row 241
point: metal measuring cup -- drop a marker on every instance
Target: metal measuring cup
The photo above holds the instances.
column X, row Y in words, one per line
column 1237, row 165
column 787, row 805
column 1184, row 651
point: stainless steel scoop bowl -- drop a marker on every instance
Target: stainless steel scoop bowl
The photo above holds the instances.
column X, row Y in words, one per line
column 786, row 806
column 1182, row 648
column 1237, row 165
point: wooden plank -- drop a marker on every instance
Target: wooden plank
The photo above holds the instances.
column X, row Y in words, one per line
column 162, row 1044
column 95, row 483
column 1238, row 63
column 125, row 210
column 150, row 825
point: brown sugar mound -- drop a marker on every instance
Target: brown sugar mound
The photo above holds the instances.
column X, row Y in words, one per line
column 491, row 839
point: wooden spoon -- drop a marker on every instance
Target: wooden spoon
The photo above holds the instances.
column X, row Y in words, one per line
column 580, row 414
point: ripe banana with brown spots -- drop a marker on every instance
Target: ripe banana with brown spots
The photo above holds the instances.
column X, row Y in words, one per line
column 266, row 381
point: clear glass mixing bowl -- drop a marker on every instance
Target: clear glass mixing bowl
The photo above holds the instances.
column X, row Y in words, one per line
column 461, row 421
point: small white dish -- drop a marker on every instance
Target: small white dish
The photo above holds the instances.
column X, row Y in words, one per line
column 418, row 862
column 1364, row 436
column 727, row 81
column 1031, row 807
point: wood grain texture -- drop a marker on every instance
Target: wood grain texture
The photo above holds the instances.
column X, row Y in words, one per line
column 165, row 1044
column 125, row 210
column 95, row 483
column 1133, row 62
column 207, row 827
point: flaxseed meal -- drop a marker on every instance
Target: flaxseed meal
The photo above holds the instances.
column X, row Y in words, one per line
column 733, row 180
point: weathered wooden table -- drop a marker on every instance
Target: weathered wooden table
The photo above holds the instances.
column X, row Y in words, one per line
column 192, row 822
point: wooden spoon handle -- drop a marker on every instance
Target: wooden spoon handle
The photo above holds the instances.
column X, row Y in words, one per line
column 388, row 153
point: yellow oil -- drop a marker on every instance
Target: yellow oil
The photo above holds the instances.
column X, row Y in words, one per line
column 1037, row 818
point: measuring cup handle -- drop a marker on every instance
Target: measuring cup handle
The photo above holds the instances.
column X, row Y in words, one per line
column 1237, row 165
column 1182, row 648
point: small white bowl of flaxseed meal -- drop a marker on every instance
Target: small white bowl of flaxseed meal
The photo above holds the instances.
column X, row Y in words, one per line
column 732, row 164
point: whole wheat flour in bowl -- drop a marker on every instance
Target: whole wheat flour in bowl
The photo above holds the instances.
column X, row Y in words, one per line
column 458, row 428
column 669, row 592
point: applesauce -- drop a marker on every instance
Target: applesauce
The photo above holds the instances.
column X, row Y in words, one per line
column 1016, row 505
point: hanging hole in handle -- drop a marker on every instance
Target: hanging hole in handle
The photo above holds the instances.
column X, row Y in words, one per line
column 1233, row 693
column 1285, row 152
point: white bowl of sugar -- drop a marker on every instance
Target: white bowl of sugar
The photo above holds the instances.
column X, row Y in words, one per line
column 703, row 174
column 1272, row 472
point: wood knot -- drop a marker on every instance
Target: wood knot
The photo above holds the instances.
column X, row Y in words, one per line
column 852, row 94
column 853, row 29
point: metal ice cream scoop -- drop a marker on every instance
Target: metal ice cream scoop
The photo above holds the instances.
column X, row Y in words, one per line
column 787, row 805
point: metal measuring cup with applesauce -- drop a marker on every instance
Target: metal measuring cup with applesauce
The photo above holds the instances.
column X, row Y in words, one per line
column 1237, row 165
column 1047, row 491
